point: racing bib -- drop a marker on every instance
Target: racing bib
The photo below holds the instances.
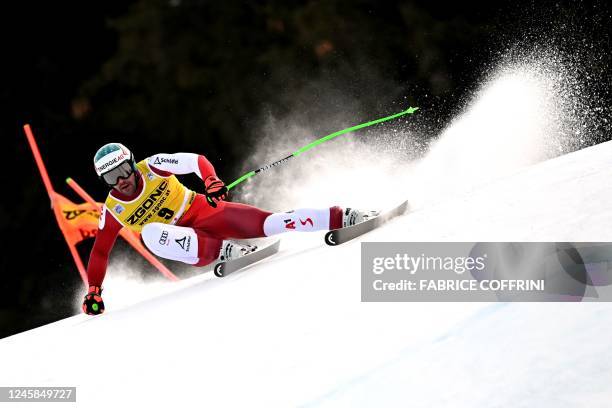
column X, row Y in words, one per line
column 162, row 199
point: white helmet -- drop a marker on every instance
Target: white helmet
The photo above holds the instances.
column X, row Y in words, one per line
column 113, row 161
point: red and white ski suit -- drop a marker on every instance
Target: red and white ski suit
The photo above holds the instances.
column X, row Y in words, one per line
column 202, row 223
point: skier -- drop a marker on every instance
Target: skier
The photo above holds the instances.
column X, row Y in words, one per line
column 177, row 223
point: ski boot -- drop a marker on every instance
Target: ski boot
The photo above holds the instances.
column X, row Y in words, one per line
column 353, row 216
column 232, row 250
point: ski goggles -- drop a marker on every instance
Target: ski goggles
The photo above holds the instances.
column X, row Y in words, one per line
column 123, row 171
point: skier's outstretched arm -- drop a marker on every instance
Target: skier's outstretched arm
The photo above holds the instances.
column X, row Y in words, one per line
column 108, row 229
column 185, row 163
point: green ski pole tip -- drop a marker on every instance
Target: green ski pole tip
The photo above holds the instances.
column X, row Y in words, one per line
column 68, row 179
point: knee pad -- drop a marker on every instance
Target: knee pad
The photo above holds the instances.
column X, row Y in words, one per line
column 171, row 242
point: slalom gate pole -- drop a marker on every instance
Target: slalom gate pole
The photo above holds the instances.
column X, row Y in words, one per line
column 52, row 197
column 318, row 142
column 39, row 162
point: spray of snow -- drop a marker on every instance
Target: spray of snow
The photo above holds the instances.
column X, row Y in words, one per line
column 530, row 108
column 524, row 113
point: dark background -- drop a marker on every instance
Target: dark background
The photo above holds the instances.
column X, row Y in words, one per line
column 197, row 76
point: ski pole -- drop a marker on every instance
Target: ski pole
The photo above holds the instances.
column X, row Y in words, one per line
column 316, row 143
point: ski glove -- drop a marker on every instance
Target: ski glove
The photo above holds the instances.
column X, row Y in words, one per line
column 93, row 303
column 214, row 190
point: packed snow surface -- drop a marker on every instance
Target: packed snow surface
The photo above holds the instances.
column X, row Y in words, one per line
column 291, row 331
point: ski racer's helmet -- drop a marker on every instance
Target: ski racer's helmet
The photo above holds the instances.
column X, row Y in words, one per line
column 114, row 161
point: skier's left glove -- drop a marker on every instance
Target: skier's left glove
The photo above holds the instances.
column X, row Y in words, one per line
column 214, row 190
column 93, row 303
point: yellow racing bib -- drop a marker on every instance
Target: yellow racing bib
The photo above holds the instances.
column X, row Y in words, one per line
column 162, row 199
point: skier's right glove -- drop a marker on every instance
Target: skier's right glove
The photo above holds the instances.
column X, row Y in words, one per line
column 93, row 303
column 214, row 190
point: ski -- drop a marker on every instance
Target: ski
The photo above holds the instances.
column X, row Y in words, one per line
column 225, row 268
column 342, row 235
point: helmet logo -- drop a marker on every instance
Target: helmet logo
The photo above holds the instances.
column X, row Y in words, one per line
column 107, row 164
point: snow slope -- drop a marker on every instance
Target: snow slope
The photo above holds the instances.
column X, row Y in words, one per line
column 292, row 331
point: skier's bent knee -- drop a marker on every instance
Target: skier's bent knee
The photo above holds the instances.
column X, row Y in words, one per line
column 171, row 242
column 152, row 234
